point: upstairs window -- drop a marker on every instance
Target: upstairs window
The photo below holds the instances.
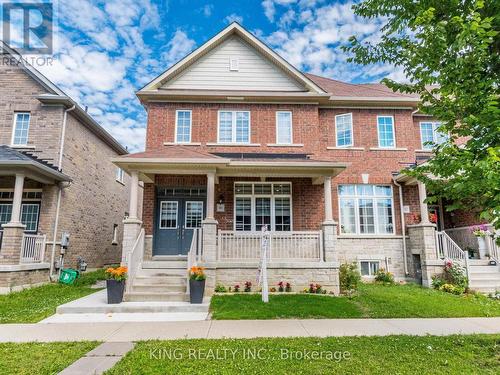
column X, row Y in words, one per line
column 385, row 128
column 366, row 209
column 430, row 135
column 21, row 129
column 283, row 128
column 234, row 127
column 183, row 126
column 343, row 130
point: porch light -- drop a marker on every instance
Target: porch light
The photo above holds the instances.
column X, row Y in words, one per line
column 221, row 199
column 81, row 264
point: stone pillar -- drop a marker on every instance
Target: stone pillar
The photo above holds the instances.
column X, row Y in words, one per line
column 18, row 198
column 210, row 194
column 134, row 186
column 424, row 212
column 328, row 199
column 131, row 225
column 423, row 241
column 330, row 241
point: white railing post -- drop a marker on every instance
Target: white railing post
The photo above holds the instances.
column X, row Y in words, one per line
column 134, row 260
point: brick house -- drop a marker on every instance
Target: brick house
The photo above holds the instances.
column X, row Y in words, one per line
column 55, row 177
column 237, row 138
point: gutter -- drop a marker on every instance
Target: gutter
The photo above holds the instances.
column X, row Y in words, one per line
column 403, row 224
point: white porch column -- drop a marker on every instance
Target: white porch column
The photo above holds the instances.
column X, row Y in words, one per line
column 134, row 188
column 328, row 199
column 422, row 194
column 210, row 195
column 18, row 197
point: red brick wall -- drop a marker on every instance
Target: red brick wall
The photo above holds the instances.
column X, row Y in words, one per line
column 315, row 128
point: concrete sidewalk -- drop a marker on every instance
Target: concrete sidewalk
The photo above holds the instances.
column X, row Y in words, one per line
column 213, row 329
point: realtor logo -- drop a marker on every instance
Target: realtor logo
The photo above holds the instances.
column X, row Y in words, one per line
column 28, row 26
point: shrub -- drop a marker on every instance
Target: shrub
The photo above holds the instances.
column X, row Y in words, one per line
column 438, row 281
column 383, row 276
column 237, row 288
column 219, row 288
column 248, row 286
column 455, row 274
column 272, row 290
column 281, row 286
column 288, row 287
column 315, row 289
column 349, row 277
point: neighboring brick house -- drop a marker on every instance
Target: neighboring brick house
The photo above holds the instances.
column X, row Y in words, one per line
column 237, row 138
column 55, row 177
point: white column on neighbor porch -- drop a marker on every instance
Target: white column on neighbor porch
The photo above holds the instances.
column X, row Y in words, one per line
column 422, row 194
column 134, row 189
column 18, row 198
column 328, row 199
column 210, row 195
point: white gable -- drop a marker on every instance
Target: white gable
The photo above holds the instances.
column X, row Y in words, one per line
column 234, row 65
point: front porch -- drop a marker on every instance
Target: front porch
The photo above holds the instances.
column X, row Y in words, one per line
column 211, row 213
column 28, row 191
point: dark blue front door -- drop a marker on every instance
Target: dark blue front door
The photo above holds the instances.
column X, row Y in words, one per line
column 176, row 218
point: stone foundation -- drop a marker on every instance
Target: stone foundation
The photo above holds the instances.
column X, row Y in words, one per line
column 14, row 278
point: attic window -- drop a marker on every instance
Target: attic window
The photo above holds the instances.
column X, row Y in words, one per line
column 234, row 64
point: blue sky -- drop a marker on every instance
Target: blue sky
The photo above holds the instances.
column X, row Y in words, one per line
column 107, row 50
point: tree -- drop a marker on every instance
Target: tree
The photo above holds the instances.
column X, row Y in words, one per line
column 450, row 53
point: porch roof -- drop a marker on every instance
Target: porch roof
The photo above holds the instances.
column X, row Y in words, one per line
column 187, row 160
column 13, row 161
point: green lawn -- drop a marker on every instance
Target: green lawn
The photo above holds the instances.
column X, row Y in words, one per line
column 41, row 358
column 478, row 354
column 372, row 301
column 34, row 304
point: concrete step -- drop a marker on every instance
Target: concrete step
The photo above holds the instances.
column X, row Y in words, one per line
column 479, row 262
column 163, row 280
column 485, row 287
column 181, row 264
column 169, row 258
column 165, row 272
column 485, row 276
column 149, row 296
column 158, row 288
column 484, row 269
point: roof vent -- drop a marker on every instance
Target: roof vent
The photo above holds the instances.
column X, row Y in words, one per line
column 234, row 64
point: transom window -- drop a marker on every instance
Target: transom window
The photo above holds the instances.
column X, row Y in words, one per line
column 284, row 127
column 369, row 268
column 343, row 130
column 169, row 211
column 430, row 135
column 259, row 204
column 385, row 128
column 366, row 209
column 21, row 128
column 183, row 126
column 234, row 127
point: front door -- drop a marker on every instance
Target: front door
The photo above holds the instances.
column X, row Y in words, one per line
column 176, row 220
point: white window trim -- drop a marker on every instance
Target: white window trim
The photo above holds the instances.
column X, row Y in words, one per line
column 291, row 128
column 14, row 129
column 356, row 214
column 233, row 128
column 120, row 176
column 434, row 124
column 190, row 125
column 177, row 215
column 393, row 133
column 234, row 64
column 272, row 196
column 352, row 131
column 185, row 213
column 370, row 261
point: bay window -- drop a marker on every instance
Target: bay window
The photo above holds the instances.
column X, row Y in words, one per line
column 259, row 204
column 366, row 209
column 234, row 127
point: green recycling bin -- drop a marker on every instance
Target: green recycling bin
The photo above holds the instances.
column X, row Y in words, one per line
column 68, row 276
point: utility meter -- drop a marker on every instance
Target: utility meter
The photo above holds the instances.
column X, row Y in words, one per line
column 65, row 240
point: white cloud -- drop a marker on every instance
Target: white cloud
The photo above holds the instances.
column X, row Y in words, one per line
column 234, row 18
column 178, row 47
column 207, row 10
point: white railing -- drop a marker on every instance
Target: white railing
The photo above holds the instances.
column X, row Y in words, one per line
column 448, row 249
column 32, row 248
column 195, row 253
column 463, row 237
column 283, row 246
column 134, row 259
column 492, row 247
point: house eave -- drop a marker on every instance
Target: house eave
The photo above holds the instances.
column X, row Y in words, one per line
column 33, row 170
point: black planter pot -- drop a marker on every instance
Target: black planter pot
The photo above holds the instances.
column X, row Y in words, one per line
column 196, row 291
column 115, row 290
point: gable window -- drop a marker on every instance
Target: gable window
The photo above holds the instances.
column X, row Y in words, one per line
column 120, row 175
column 284, row 128
column 430, row 135
column 385, row 128
column 259, row 204
column 234, row 64
column 21, row 128
column 234, row 127
column 366, row 209
column 183, row 126
column 369, row 268
column 343, row 130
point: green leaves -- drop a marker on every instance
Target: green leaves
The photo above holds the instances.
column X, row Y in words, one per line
column 450, row 52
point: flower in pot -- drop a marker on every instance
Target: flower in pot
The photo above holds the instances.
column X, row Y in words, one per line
column 288, row 287
column 281, row 286
column 197, row 279
column 481, row 231
column 237, row 288
column 248, row 286
column 115, row 283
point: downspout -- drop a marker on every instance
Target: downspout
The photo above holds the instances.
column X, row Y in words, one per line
column 403, row 224
column 61, row 187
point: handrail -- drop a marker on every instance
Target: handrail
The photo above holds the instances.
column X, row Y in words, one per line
column 134, row 259
column 32, row 248
column 492, row 247
column 194, row 254
column 448, row 249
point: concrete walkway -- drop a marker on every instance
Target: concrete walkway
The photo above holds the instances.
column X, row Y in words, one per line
column 135, row 331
